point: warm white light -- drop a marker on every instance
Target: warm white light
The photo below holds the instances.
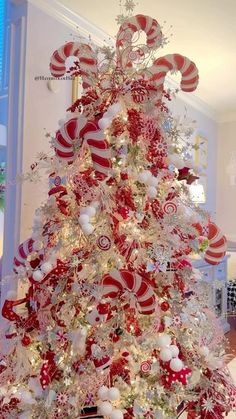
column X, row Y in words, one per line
column 197, row 193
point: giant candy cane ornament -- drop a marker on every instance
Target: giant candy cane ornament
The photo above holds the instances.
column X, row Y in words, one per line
column 69, row 139
column 217, row 245
column 23, row 251
column 217, row 242
column 175, row 62
column 131, row 286
column 86, row 57
column 125, row 34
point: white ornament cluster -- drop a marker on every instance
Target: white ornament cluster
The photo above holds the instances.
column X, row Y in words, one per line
column 169, row 352
column 108, row 116
column 45, row 268
column 108, row 395
column 86, row 213
column 150, row 181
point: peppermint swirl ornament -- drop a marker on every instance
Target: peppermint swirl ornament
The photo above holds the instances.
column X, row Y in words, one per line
column 170, row 208
column 145, row 367
column 104, row 242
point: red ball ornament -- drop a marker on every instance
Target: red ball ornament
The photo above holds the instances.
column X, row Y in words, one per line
column 161, row 327
column 165, row 306
column 103, row 308
column 26, row 340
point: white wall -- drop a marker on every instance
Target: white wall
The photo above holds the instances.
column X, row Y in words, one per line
column 226, row 191
column 43, row 108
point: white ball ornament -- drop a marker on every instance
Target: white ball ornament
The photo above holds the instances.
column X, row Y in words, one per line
column 174, row 350
column 90, row 211
column 84, row 219
column 152, row 181
column 26, row 397
column 204, row 351
column 176, row 364
column 117, row 414
column 163, row 340
column 165, row 354
column 144, row 176
column 113, row 394
column 103, row 393
column 152, row 192
column 104, row 123
column 37, row 275
column 105, row 408
column 87, row 229
column 46, row 267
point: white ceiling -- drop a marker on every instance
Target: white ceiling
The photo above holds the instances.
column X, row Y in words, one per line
column 203, row 30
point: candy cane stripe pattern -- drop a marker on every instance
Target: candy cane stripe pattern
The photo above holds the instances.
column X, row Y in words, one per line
column 174, row 62
column 132, row 286
column 217, row 245
column 23, row 252
column 86, row 58
column 70, row 136
column 134, row 24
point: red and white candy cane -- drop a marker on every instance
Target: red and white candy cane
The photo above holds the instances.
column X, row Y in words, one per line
column 70, row 136
column 24, row 250
column 86, row 57
column 217, row 245
column 175, row 62
column 125, row 284
column 217, row 242
column 125, row 34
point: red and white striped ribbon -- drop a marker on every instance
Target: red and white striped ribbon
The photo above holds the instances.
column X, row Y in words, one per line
column 86, row 57
column 70, row 136
column 135, row 288
column 175, row 62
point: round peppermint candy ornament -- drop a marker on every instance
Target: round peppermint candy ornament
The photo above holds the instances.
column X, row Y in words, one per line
column 104, row 242
column 146, row 366
column 169, row 208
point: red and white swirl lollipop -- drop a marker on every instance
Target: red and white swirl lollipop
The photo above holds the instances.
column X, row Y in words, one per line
column 175, row 62
column 86, row 57
column 217, row 245
column 69, row 139
column 146, row 366
column 125, row 34
column 136, row 289
column 169, row 208
column 104, row 242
